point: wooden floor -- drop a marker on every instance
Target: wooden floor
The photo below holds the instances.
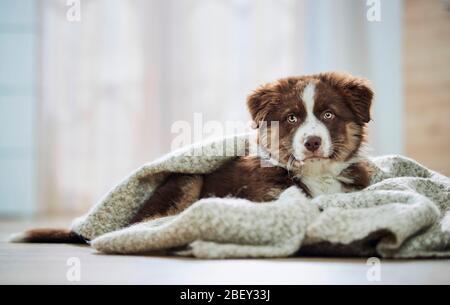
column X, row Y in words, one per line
column 47, row 264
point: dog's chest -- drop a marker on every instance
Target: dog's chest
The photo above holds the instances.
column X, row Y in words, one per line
column 320, row 185
column 322, row 178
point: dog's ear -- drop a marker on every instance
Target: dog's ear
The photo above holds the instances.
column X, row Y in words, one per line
column 357, row 93
column 258, row 103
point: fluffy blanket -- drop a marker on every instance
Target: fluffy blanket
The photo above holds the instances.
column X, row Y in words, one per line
column 404, row 213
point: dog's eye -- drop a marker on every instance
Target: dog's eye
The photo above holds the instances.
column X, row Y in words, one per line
column 328, row 115
column 292, row 119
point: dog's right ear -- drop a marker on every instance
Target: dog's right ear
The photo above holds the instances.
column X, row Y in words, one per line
column 258, row 104
column 357, row 92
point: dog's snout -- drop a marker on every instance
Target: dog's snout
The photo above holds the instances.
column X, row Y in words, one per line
column 313, row 143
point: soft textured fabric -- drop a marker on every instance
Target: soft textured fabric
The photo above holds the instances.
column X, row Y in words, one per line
column 404, row 213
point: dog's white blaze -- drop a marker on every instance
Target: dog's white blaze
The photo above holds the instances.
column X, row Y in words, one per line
column 320, row 176
column 312, row 126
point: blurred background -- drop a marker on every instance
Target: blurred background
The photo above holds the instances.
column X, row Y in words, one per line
column 89, row 89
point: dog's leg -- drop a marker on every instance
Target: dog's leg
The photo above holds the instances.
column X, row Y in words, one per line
column 356, row 176
column 172, row 197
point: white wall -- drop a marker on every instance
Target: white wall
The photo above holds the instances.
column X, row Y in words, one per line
column 17, row 106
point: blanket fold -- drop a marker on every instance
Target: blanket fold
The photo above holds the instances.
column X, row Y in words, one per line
column 404, row 213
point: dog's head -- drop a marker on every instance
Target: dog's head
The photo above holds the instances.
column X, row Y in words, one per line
column 313, row 117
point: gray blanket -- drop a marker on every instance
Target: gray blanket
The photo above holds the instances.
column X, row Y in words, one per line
column 404, row 213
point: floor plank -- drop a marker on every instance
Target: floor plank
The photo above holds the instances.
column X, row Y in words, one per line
column 47, row 264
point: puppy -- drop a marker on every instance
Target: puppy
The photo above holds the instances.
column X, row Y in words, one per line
column 319, row 121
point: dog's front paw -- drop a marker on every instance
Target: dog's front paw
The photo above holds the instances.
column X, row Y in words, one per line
column 292, row 194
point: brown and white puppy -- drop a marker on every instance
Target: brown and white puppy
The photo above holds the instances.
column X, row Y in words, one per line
column 319, row 121
column 321, row 126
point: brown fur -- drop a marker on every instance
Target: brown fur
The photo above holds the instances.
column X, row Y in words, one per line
column 359, row 174
column 177, row 193
column 50, row 236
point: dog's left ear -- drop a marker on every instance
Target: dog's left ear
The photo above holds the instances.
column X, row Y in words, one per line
column 357, row 92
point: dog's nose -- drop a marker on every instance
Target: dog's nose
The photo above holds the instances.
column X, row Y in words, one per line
column 313, row 143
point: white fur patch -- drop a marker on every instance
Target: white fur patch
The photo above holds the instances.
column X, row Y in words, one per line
column 322, row 176
column 18, row 237
column 312, row 126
